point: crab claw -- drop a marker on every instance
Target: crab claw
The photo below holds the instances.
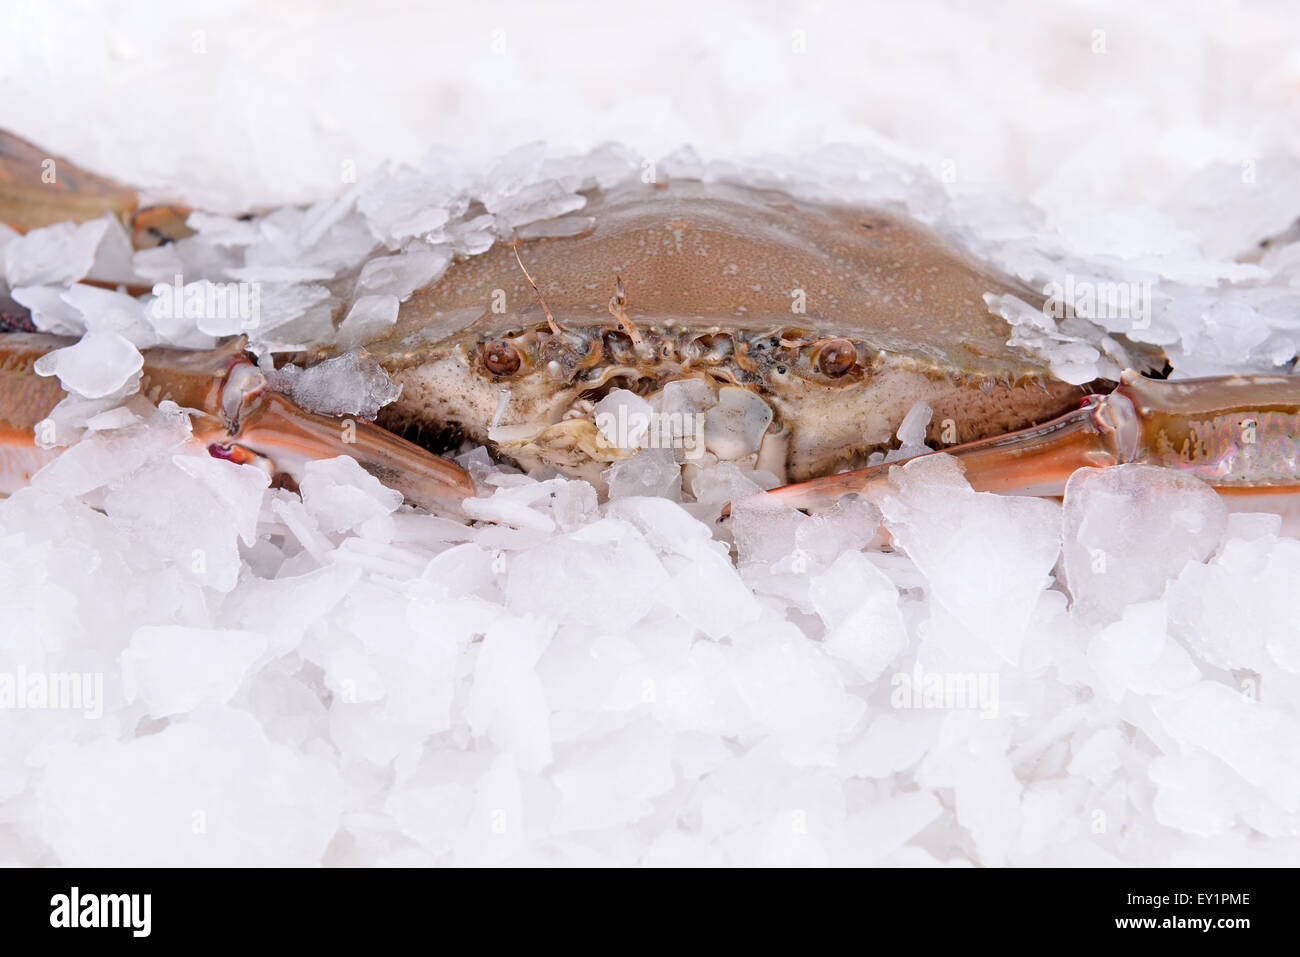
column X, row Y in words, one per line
column 289, row 436
column 1038, row 460
column 234, row 414
column 255, row 421
column 1240, row 434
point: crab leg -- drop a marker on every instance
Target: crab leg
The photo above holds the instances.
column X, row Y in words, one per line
column 273, row 426
column 1240, row 433
column 234, row 416
column 39, row 189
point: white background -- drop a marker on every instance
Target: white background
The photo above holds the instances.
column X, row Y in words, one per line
column 1070, row 104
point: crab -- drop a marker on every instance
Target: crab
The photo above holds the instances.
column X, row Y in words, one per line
column 817, row 327
column 777, row 333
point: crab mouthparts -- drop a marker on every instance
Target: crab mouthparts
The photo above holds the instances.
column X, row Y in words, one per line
column 698, row 419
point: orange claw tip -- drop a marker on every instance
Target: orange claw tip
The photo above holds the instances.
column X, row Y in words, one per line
column 232, row 453
column 159, row 225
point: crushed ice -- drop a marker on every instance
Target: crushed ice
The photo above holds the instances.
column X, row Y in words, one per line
column 329, row 676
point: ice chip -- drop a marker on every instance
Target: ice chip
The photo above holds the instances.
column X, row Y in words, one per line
column 987, row 557
column 851, row 524
column 240, row 488
column 1191, row 795
column 65, row 252
column 402, row 273
column 117, row 418
column 665, row 524
column 214, row 792
column 623, row 419
column 50, row 310
column 614, row 781
column 1257, row 741
column 369, row 317
column 400, row 203
column 537, row 201
column 106, row 310
column 708, row 593
column 735, row 426
column 603, row 576
column 97, row 365
column 1071, row 357
column 859, row 606
column 1135, row 655
column 765, row 530
column 1207, row 613
column 108, row 457
column 911, row 431
column 1130, row 529
column 192, row 529
column 215, row 309
column 340, row 495
column 507, row 704
column 174, row 669
column 1099, row 756
column 648, row 472
column 351, row 384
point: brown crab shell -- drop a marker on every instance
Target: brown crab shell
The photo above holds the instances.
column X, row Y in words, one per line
column 703, row 261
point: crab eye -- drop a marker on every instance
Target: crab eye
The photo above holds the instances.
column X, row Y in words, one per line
column 836, row 357
column 501, row 357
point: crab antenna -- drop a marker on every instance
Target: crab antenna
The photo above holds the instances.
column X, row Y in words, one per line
column 556, row 328
column 616, row 310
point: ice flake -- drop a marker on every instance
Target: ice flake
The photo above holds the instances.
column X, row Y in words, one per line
column 97, row 365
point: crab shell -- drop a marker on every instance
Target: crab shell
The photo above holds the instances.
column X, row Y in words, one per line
column 836, row 319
